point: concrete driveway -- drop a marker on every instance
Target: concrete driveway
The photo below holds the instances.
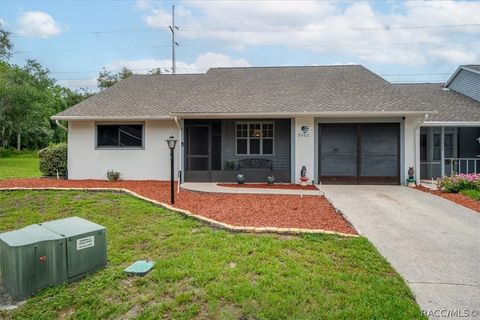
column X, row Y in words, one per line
column 433, row 243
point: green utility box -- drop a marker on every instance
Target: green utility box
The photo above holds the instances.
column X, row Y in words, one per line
column 49, row 254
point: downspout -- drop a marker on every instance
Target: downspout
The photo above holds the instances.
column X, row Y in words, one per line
column 61, row 125
column 179, row 174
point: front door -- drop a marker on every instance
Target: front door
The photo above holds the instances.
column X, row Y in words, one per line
column 367, row 153
column 198, row 152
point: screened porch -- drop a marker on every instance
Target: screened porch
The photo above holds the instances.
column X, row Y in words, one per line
column 218, row 150
column 446, row 151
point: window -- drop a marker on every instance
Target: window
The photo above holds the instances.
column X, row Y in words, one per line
column 119, row 136
column 255, row 138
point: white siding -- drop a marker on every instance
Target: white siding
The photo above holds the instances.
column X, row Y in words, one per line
column 412, row 147
column 152, row 162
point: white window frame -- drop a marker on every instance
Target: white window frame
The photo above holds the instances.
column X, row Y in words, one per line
column 248, row 123
column 97, row 147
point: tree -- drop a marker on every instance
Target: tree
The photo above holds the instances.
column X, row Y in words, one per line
column 6, row 46
column 155, row 71
column 106, row 79
column 26, row 102
column 28, row 98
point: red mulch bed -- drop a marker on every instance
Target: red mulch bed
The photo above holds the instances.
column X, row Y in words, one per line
column 268, row 186
column 281, row 211
column 454, row 197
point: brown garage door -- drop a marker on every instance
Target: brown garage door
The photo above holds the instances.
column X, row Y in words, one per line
column 359, row 153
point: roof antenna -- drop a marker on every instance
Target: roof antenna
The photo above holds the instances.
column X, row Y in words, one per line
column 173, row 28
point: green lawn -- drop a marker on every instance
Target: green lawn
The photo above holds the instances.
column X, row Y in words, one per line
column 17, row 167
column 471, row 193
column 203, row 273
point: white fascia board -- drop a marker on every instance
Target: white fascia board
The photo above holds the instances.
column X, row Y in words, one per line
column 302, row 114
column 451, row 124
column 98, row 118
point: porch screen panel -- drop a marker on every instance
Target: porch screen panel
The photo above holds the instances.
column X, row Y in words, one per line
column 197, row 148
column 379, row 145
column 338, row 150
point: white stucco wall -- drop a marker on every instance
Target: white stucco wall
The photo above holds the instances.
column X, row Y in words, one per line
column 304, row 147
column 412, row 146
column 152, row 162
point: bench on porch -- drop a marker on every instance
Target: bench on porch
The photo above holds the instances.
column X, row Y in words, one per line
column 264, row 164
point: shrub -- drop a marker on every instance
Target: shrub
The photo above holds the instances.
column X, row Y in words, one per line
column 52, row 159
column 459, row 182
column 474, row 194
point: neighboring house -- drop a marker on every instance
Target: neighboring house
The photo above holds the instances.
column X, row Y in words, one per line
column 345, row 124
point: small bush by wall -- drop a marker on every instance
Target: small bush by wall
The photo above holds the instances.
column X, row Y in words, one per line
column 53, row 158
column 459, row 182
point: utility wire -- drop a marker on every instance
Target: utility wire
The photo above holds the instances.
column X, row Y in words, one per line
column 253, row 45
column 267, row 28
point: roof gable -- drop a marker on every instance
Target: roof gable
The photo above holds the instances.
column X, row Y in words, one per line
column 466, row 80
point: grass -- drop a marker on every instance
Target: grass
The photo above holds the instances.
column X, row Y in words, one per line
column 203, row 273
column 471, row 193
column 16, row 167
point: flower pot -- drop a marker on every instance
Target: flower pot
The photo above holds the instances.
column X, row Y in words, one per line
column 270, row 179
column 240, row 178
column 303, row 181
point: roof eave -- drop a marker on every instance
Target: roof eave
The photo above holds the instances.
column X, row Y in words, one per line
column 219, row 115
column 110, row 118
column 451, row 123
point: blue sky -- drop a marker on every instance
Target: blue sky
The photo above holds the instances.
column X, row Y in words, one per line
column 403, row 40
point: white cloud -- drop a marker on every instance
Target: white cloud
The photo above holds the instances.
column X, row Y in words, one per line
column 202, row 63
column 355, row 28
column 3, row 23
column 38, row 24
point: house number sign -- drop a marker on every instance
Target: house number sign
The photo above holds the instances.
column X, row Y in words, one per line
column 304, row 132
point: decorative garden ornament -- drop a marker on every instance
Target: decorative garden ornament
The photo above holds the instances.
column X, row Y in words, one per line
column 411, row 181
column 303, row 176
column 240, row 178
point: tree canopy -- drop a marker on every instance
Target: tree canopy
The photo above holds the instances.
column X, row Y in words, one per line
column 6, row 46
column 107, row 79
column 29, row 96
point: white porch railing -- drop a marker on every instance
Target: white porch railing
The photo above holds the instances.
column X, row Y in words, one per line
column 462, row 165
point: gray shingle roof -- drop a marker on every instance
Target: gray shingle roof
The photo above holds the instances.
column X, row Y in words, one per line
column 273, row 90
column 139, row 96
column 289, row 89
column 451, row 105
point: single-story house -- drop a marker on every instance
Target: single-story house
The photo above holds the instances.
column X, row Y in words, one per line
column 344, row 123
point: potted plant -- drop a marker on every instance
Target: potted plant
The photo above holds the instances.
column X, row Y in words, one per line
column 240, row 178
column 113, row 175
column 270, row 179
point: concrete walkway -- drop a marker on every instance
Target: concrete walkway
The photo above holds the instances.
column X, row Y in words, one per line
column 432, row 242
column 213, row 187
